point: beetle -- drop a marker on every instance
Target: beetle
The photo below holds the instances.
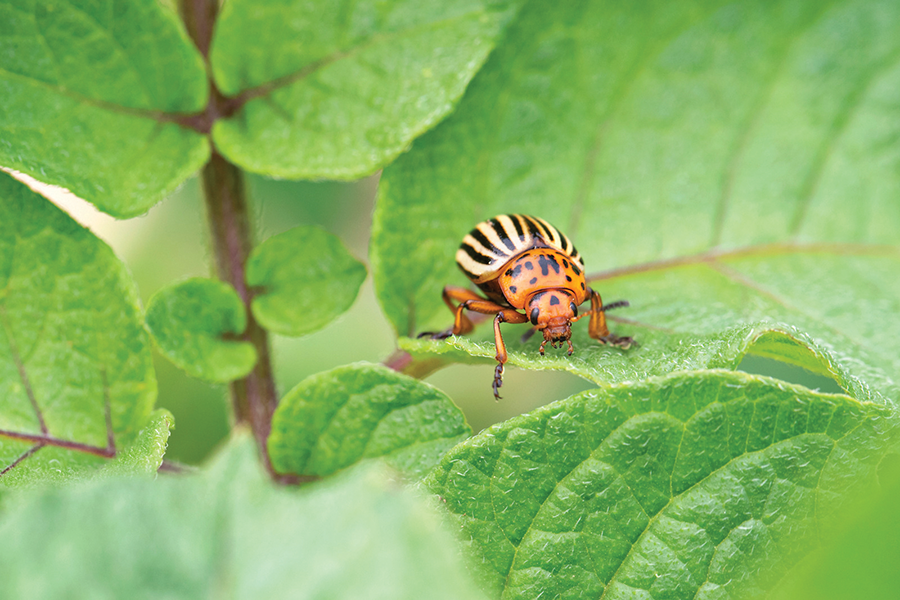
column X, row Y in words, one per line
column 522, row 262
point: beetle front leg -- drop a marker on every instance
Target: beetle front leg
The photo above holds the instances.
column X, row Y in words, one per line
column 504, row 316
column 597, row 326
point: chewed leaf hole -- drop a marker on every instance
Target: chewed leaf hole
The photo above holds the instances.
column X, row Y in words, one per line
column 780, row 355
column 770, row 367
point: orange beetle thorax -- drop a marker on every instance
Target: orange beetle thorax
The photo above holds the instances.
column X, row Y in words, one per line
column 541, row 269
column 552, row 312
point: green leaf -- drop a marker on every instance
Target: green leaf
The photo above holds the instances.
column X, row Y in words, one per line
column 862, row 561
column 229, row 532
column 76, row 372
column 195, row 324
column 306, row 276
column 145, row 455
column 337, row 89
column 334, row 419
column 702, row 485
column 89, row 92
column 729, row 169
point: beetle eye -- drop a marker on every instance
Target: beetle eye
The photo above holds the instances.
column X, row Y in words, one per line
column 574, row 309
column 534, row 316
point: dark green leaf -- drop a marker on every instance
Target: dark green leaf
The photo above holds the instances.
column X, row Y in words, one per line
column 727, row 168
column 85, row 86
column 702, row 485
column 228, row 533
column 338, row 89
column 76, row 377
column 195, row 323
column 306, row 277
column 337, row 418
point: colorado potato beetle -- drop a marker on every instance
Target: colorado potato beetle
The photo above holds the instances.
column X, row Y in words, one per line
column 524, row 263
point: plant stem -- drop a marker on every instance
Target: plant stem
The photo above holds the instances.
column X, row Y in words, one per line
column 254, row 397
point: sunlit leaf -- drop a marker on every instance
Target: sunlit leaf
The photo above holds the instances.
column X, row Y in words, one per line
column 89, row 93
column 729, row 169
column 338, row 89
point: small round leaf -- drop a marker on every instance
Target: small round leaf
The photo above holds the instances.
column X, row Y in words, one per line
column 334, row 419
column 305, row 277
column 191, row 322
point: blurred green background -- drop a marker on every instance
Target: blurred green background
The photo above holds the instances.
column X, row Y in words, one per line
column 170, row 243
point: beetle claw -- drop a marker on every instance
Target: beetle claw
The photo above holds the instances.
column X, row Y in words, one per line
column 436, row 335
column 498, row 381
column 623, row 342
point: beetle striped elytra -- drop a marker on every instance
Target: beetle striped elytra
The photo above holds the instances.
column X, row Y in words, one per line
column 524, row 263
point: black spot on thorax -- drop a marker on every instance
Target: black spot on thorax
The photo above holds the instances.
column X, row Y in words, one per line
column 546, row 261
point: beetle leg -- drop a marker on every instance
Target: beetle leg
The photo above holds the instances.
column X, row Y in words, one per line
column 461, row 323
column 597, row 327
column 507, row 315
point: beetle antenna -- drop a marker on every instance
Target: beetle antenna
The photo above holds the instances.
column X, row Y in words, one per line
column 616, row 304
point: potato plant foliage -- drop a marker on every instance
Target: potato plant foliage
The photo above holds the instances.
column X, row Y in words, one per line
column 730, row 168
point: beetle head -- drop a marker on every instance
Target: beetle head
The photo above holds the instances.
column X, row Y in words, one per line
column 551, row 312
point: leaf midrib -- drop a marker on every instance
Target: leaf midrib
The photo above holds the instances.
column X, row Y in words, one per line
column 714, row 255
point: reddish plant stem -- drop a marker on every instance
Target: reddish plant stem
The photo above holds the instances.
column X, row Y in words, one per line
column 254, row 397
column 199, row 17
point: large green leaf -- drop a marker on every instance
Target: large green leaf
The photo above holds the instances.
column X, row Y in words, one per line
column 76, row 376
column 86, row 86
column 705, row 485
column 727, row 168
column 337, row 89
column 334, row 419
column 229, row 533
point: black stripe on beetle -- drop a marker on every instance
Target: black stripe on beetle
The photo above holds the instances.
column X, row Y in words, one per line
column 502, row 233
column 476, row 255
column 482, row 239
column 517, row 221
